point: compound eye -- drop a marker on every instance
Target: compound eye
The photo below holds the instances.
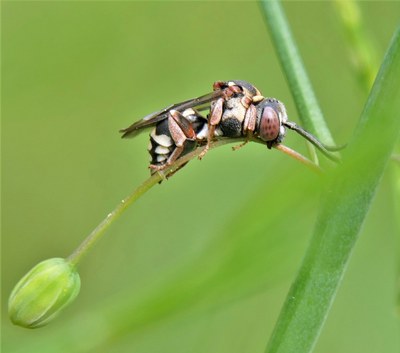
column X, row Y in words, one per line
column 269, row 124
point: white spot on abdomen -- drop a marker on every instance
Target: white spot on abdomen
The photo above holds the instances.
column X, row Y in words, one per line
column 162, row 140
column 161, row 158
column 203, row 133
column 161, row 150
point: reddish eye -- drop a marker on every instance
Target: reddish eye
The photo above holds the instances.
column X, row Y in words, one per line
column 269, row 124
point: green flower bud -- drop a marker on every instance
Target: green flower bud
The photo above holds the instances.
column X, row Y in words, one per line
column 43, row 292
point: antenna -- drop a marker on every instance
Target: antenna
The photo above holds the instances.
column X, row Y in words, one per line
column 326, row 150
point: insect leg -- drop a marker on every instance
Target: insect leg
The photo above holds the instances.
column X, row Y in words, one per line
column 250, row 119
column 249, row 125
column 181, row 132
column 227, row 91
column 246, row 101
column 215, row 118
column 171, row 159
column 297, row 156
column 180, row 128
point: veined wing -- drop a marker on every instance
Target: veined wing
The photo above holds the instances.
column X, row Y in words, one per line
column 201, row 103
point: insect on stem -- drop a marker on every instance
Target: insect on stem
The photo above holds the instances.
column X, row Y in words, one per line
column 237, row 109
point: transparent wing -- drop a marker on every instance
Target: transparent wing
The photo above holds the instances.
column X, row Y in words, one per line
column 200, row 103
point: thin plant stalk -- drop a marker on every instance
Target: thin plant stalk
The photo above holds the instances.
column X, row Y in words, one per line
column 99, row 231
column 300, row 86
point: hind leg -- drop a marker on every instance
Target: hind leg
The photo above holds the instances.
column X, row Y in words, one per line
column 182, row 134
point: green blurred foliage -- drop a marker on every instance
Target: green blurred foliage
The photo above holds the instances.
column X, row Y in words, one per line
column 203, row 261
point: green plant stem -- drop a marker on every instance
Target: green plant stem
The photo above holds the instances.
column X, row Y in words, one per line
column 363, row 57
column 307, row 105
column 99, row 231
column 345, row 204
column 396, row 204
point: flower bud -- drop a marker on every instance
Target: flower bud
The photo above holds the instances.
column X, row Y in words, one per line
column 43, row 292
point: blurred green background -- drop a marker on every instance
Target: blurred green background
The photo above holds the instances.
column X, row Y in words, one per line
column 203, row 261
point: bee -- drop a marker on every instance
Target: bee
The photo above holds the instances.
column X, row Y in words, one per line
column 236, row 109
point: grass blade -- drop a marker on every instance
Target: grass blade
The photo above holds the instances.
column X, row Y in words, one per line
column 345, row 204
column 307, row 105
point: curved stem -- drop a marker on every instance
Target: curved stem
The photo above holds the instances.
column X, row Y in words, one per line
column 99, row 231
column 96, row 234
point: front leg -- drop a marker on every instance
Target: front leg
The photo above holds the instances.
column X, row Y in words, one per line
column 250, row 120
